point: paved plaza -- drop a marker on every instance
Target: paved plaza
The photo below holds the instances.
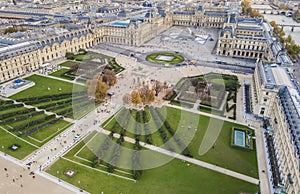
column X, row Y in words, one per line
column 16, row 179
column 182, row 40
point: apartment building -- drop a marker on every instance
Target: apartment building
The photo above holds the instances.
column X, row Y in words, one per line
column 276, row 97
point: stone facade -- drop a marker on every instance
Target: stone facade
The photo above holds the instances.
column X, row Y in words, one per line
column 277, row 98
column 244, row 38
column 201, row 17
column 18, row 59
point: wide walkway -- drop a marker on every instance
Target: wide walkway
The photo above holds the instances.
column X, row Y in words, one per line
column 54, row 149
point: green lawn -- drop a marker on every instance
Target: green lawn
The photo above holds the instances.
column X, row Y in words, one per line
column 7, row 140
column 221, row 153
column 69, row 64
column 41, row 87
column 153, row 58
column 173, row 177
column 59, row 99
column 51, row 130
column 81, row 57
column 40, row 137
column 61, row 74
column 44, row 135
column 27, row 128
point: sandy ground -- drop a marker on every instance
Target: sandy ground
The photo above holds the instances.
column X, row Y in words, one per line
column 12, row 183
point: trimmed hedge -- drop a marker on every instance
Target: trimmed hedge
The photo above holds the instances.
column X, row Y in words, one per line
column 36, row 129
column 178, row 141
column 21, row 117
column 10, row 106
column 6, row 102
column 31, row 123
column 52, row 97
column 10, row 114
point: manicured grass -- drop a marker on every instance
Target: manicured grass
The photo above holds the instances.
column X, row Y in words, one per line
column 61, row 74
column 174, row 177
column 221, row 153
column 41, row 87
column 51, row 130
column 218, row 81
column 44, row 135
column 81, row 57
column 69, row 64
column 7, row 140
column 16, row 127
column 60, row 97
column 153, row 58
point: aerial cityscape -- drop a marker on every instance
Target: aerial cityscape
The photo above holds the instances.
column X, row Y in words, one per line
column 147, row 97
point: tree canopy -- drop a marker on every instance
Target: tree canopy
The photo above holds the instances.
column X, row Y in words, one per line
column 247, row 10
column 109, row 77
column 291, row 47
column 96, row 88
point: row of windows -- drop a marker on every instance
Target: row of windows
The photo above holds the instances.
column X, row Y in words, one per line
column 243, row 32
column 16, row 72
column 246, row 41
column 19, row 60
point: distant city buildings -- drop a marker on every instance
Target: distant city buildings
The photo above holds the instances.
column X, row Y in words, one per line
column 54, row 33
column 276, row 97
column 52, row 43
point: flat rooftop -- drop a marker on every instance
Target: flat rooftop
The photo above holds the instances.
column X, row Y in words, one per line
column 281, row 77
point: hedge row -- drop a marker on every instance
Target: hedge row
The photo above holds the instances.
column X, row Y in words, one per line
column 36, row 129
column 137, row 173
column 10, row 114
column 137, row 129
column 228, row 109
column 53, row 97
column 146, row 128
column 65, row 112
column 31, row 123
column 160, row 130
column 82, row 106
column 232, row 95
column 6, row 102
column 10, row 106
column 234, row 114
column 55, row 104
column 116, row 154
column 104, row 147
column 178, row 141
column 22, row 117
